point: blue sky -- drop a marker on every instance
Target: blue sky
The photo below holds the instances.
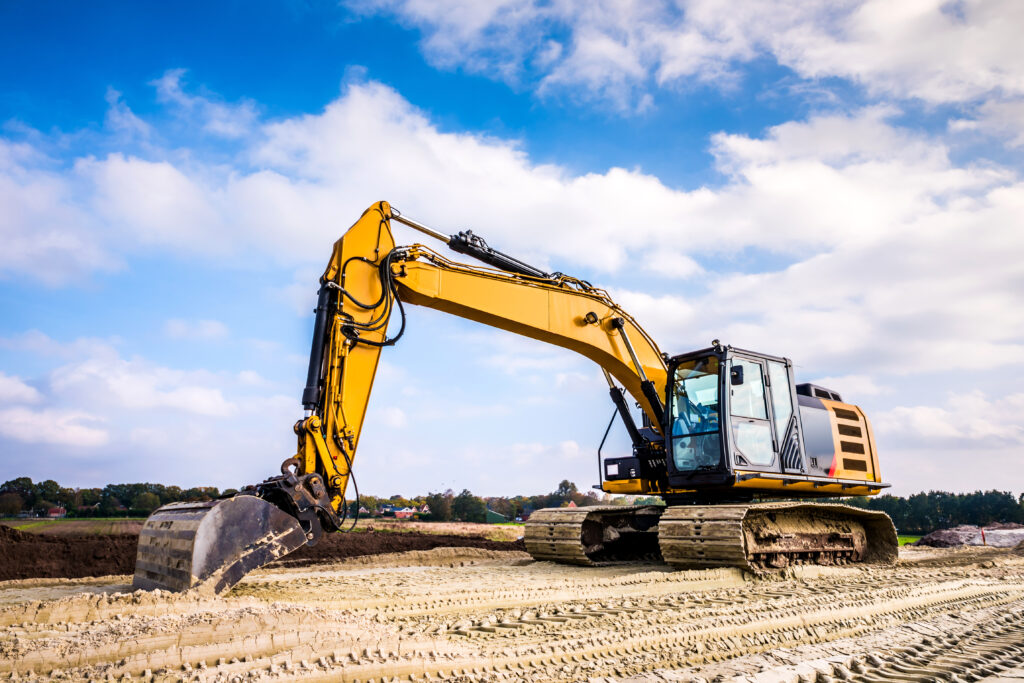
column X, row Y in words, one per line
column 837, row 183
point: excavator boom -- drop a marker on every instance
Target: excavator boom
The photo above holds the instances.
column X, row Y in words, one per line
column 368, row 281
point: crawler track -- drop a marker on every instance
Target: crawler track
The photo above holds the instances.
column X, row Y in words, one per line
column 755, row 537
column 593, row 535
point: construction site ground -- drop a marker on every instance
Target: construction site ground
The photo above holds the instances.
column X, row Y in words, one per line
column 477, row 614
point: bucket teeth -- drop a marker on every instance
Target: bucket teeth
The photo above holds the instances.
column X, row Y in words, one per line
column 211, row 546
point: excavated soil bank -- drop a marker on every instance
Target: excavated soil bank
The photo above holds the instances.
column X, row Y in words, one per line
column 34, row 556
column 995, row 535
column 341, row 546
column 29, row 556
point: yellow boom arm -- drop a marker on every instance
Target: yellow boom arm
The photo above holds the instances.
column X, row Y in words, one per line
column 368, row 277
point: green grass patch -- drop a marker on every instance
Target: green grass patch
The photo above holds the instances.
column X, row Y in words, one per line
column 22, row 526
column 904, row 540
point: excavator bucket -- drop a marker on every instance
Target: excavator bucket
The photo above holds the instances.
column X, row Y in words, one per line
column 211, row 546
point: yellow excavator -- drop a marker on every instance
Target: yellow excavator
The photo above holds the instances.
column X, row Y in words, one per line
column 733, row 446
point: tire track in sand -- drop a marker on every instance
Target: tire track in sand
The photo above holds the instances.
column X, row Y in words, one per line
column 500, row 618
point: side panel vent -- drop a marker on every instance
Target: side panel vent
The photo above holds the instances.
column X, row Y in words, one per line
column 846, row 414
column 850, row 430
column 790, row 450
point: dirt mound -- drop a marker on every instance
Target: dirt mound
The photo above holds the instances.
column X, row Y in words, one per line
column 26, row 556
column 340, row 546
column 996, row 535
column 31, row 556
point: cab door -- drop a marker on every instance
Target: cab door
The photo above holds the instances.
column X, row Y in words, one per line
column 753, row 438
column 785, row 416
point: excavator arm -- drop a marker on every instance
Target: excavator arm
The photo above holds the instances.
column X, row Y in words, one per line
column 368, row 278
column 366, row 283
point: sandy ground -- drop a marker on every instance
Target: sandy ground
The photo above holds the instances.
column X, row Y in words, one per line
column 473, row 614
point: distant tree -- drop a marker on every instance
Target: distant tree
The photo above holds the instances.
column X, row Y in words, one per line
column 110, row 505
column 10, row 503
column 146, row 502
column 91, row 496
column 503, row 506
column 468, row 508
column 440, row 505
column 69, row 499
column 201, row 493
column 24, row 487
column 171, row 494
column 48, row 490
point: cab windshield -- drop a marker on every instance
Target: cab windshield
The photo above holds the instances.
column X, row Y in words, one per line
column 695, row 437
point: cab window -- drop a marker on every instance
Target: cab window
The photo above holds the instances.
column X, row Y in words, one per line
column 696, row 442
column 748, row 397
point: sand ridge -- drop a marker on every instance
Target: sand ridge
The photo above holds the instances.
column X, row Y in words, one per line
column 480, row 615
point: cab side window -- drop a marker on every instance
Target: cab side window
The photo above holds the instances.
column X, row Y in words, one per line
column 748, row 398
column 752, row 435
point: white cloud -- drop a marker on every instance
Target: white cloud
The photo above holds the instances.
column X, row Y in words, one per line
column 851, row 385
column 970, row 419
column 930, row 49
column 45, row 234
column 60, row 427
column 998, row 118
column 392, row 416
column 121, row 119
column 896, row 260
column 177, row 328
column 869, row 215
column 146, row 420
column 14, row 390
column 136, row 384
column 216, row 118
column 904, row 262
column 803, row 186
column 153, row 203
column 251, row 378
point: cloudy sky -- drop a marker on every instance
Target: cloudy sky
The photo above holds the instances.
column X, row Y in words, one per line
column 836, row 182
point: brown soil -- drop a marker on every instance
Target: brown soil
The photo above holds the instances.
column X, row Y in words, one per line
column 341, row 546
column 996, row 535
column 27, row 556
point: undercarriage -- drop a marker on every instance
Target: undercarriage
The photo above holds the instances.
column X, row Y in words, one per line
column 757, row 537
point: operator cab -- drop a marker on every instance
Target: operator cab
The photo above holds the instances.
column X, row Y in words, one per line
column 730, row 408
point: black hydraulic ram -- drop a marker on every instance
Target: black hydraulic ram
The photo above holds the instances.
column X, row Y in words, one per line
column 314, row 378
column 646, row 385
column 619, row 399
column 467, row 243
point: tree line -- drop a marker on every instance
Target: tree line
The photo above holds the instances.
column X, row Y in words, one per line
column 922, row 513
column 919, row 513
column 113, row 500
column 22, row 495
